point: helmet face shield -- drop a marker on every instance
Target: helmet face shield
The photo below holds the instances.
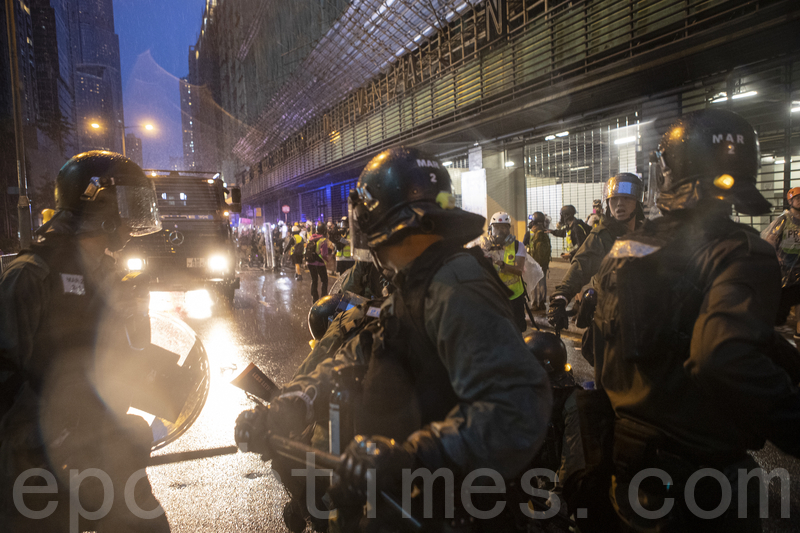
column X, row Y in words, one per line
column 359, row 246
column 138, row 209
column 625, row 184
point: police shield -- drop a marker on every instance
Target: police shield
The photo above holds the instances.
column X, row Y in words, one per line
column 165, row 381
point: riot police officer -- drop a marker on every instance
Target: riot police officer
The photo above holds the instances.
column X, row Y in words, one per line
column 57, row 305
column 624, row 213
column 684, row 342
column 450, row 383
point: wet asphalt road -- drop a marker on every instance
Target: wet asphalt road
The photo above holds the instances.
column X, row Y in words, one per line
column 267, row 326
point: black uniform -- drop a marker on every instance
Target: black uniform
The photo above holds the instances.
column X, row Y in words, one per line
column 684, row 348
column 575, row 233
column 447, row 376
column 685, row 352
column 53, row 307
column 586, row 262
column 447, row 354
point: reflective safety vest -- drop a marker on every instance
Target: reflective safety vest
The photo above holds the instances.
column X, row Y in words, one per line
column 512, row 281
column 790, row 241
column 344, row 252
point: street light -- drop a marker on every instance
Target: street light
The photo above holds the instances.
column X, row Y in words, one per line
column 148, row 127
column 95, row 125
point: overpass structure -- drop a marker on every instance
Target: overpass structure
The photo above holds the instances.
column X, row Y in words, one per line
column 533, row 103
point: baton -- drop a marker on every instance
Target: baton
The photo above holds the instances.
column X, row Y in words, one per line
column 530, row 315
column 193, row 455
column 296, row 451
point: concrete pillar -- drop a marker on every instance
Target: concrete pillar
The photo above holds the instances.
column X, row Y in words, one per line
column 505, row 186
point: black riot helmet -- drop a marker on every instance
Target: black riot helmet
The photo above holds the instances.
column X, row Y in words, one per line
column 538, row 218
column 713, row 153
column 568, row 211
column 403, row 191
column 321, row 313
column 549, row 350
column 101, row 191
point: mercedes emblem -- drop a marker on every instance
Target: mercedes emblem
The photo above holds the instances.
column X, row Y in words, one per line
column 175, row 238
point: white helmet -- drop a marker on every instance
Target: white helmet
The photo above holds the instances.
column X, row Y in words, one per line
column 501, row 217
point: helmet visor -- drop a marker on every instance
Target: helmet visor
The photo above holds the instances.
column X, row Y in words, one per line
column 358, row 239
column 138, row 209
column 620, row 187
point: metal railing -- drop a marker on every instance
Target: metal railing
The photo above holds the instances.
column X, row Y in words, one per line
column 5, row 260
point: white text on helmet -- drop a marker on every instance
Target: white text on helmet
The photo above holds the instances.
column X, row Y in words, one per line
column 427, row 163
column 718, row 138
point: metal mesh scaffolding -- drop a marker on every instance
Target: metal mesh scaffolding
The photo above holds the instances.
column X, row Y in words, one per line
column 357, row 90
column 368, row 37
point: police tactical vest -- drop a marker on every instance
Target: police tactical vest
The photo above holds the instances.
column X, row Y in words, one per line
column 650, row 297
column 68, row 332
column 407, row 386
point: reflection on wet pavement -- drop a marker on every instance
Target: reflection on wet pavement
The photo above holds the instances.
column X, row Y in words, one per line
column 266, row 326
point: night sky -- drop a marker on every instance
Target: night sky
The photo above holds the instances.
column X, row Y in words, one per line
column 154, row 40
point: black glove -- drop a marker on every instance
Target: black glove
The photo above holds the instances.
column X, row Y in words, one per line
column 557, row 313
column 286, row 416
column 365, row 459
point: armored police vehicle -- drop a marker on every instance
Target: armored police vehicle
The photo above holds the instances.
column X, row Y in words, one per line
column 195, row 248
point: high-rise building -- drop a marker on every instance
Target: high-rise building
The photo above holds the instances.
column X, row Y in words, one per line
column 133, row 149
column 98, row 85
column 187, row 122
column 54, row 73
column 202, row 109
column 176, row 163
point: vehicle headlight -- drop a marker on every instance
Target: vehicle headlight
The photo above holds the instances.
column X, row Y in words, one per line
column 218, row 262
column 135, row 263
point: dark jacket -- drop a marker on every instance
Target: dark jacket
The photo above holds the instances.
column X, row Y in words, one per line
column 502, row 400
column 575, row 232
column 684, row 337
column 538, row 246
column 58, row 319
column 586, row 261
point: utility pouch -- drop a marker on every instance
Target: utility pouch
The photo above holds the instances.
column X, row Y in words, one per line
column 634, row 444
column 596, row 418
column 586, row 312
column 641, row 295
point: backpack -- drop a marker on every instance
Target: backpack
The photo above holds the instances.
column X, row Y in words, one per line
column 311, row 255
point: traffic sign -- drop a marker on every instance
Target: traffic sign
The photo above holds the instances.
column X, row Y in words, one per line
column 285, row 209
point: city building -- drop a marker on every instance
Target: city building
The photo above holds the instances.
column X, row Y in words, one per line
column 98, row 84
column 176, row 163
column 187, row 123
column 43, row 41
column 532, row 104
column 133, row 149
